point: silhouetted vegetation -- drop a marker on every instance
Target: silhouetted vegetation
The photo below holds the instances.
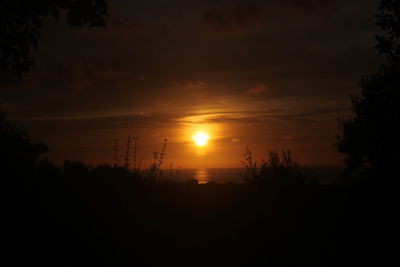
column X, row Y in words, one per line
column 278, row 170
column 22, row 20
column 119, row 215
column 370, row 140
column 18, row 152
column 112, row 215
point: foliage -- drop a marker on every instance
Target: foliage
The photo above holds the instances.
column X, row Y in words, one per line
column 129, row 142
column 78, row 215
column 154, row 172
column 17, row 151
column 369, row 139
column 389, row 21
column 278, row 169
column 22, row 20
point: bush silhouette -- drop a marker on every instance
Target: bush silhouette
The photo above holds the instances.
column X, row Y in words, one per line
column 17, row 152
column 80, row 215
column 278, row 170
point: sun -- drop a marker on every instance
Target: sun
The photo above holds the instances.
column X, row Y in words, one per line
column 200, row 139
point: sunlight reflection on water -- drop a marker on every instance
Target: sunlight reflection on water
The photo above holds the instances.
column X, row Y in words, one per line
column 202, row 176
column 223, row 175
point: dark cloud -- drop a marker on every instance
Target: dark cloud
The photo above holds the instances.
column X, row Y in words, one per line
column 315, row 5
column 96, row 122
column 233, row 18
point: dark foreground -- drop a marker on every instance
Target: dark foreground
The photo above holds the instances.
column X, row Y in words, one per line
column 112, row 217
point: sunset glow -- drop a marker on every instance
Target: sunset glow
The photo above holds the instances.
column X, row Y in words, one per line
column 212, row 71
column 179, row 133
column 201, row 139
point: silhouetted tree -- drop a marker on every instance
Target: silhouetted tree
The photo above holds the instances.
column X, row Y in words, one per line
column 17, row 152
column 370, row 140
column 22, row 20
column 389, row 21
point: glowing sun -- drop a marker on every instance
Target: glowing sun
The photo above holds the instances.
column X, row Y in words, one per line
column 200, row 139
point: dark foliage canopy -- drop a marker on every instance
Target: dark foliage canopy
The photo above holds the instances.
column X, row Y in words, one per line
column 17, row 151
column 22, row 20
column 389, row 21
column 370, row 139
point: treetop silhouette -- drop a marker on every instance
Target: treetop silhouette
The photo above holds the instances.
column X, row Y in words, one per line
column 22, row 20
column 370, row 140
column 389, row 21
column 17, row 151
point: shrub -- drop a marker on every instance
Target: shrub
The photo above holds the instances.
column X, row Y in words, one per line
column 279, row 169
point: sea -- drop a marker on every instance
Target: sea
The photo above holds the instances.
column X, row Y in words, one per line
column 324, row 174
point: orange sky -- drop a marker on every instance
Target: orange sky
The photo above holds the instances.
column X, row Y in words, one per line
column 262, row 74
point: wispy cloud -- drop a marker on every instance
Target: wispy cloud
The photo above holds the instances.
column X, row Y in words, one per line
column 88, row 117
column 258, row 89
column 253, row 116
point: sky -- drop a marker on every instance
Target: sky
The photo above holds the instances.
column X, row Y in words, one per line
column 250, row 73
